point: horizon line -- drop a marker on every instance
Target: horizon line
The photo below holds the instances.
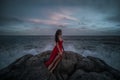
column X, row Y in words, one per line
column 63, row 35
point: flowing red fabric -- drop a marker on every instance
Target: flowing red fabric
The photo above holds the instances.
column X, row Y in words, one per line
column 54, row 53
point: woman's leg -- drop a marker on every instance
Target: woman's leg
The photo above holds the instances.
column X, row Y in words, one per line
column 55, row 64
column 52, row 64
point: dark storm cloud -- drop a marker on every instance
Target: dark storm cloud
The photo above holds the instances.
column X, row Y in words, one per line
column 21, row 7
column 114, row 18
column 42, row 13
column 98, row 4
column 9, row 21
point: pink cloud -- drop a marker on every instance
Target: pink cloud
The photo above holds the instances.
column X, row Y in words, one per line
column 61, row 16
column 48, row 22
column 56, row 19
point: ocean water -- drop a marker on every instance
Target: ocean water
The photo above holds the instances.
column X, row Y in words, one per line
column 106, row 48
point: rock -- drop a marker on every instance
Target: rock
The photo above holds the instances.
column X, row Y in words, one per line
column 85, row 64
column 72, row 67
column 82, row 75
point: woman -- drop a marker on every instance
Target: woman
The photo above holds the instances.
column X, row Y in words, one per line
column 57, row 52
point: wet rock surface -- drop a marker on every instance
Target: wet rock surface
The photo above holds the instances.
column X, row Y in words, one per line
column 72, row 67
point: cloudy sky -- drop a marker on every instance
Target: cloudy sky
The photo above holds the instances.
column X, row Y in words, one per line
column 74, row 17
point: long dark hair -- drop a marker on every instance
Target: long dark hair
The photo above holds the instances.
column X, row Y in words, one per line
column 58, row 32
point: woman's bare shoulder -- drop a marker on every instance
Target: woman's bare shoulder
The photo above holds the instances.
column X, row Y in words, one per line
column 60, row 39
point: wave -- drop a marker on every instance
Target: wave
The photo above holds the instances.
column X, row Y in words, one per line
column 110, row 53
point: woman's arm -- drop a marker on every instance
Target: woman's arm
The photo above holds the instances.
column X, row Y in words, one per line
column 60, row 52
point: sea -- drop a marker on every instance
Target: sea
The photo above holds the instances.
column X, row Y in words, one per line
column 106, row 48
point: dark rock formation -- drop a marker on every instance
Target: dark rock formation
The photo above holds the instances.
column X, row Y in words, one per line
column 72, row 67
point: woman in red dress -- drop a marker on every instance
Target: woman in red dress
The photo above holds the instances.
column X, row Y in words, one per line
column 57, row 52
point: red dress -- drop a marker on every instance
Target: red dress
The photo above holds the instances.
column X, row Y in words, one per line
column 54, row 53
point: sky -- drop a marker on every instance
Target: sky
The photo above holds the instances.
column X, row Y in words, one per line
column 74, row 17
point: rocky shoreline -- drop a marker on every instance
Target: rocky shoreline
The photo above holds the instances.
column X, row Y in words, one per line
column 72, row 67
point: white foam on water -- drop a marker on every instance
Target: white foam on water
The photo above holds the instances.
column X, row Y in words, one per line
column 70, row 47
column 30, row 51
column 48, row 47
column 87, row 53
column 108, row 53
column 110, row 56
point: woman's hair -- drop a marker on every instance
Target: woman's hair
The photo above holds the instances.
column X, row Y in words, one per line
column 58, row 32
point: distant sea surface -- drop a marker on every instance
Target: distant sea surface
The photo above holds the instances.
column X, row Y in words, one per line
column 106, row 48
